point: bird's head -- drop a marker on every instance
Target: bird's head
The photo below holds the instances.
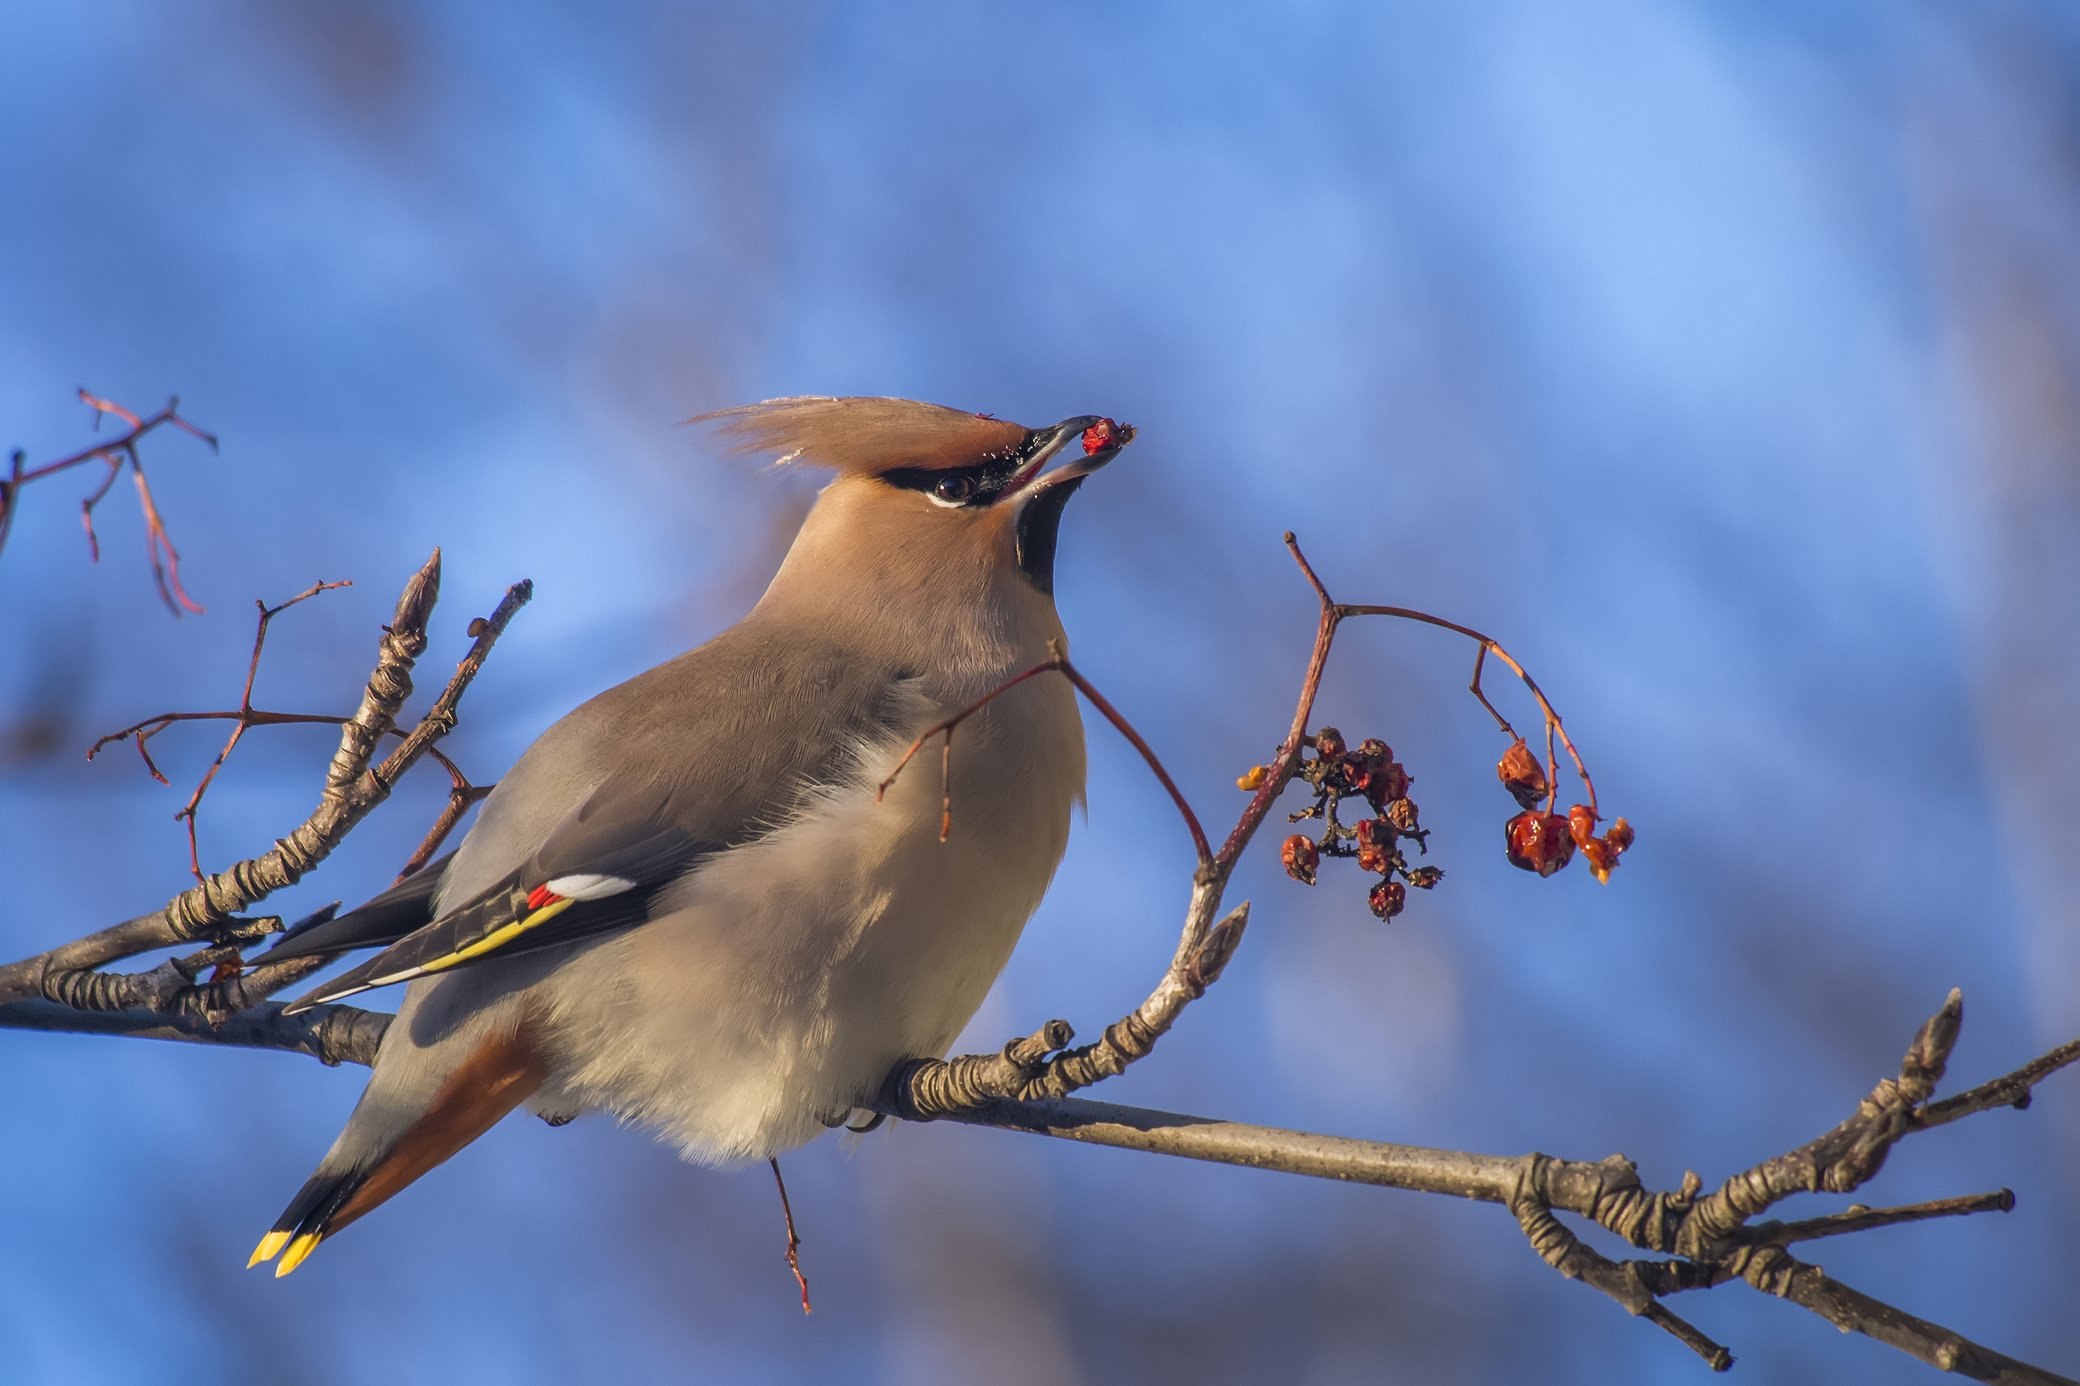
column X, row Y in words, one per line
column 925, row 490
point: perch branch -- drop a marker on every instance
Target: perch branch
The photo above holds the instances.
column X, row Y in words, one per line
column 1694, row 1240
column 1533, row 1187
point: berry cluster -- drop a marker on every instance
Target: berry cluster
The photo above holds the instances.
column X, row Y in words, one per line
column 1541, row 840
column 1370, row 774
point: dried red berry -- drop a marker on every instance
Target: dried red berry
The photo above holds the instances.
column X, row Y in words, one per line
column 1387, row 899
column 1602, row 853
column 1354, row 771
column 1300, row 857
column 1374, row 858
column 1538, row 842
column 1424, row 877
column 1388, row 783
column 1375, row 750
column 1402, row 814
column 1581, row 824
column 1328, row 743
column 1375, row 832
column 1522, row 775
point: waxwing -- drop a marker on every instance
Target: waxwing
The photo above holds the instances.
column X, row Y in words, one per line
column 684, row 905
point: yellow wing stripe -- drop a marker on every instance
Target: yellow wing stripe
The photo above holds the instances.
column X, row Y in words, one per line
column 498, row 938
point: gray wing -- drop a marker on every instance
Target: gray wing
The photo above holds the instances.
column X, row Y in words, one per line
column 625, row 796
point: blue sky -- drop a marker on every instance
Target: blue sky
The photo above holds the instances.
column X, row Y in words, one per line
column 1720, row 361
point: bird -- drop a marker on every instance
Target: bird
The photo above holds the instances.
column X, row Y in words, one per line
column 689, row 905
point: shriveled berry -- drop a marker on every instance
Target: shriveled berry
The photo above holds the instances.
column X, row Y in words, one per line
column 1387, row 899
column 1328, row 743
column 1424, row 877
column 1301, row 858
column 1375, row 750
column 1581, row 824
column 1602, row 852
column 1402, row 814
column 1538, row 842
column 1522, row 775
column 1354, row 771
column 1376, row 831
column 1106, row 434
column 1374, row 858
column 1387, row 783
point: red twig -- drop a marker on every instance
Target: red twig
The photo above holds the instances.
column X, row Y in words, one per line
column 794, row 1243
column 116, row 453
column 1334, row 613
column 461, row 795
column 1058, row 663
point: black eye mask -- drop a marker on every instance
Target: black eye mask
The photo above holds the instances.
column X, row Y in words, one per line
column 971, row 487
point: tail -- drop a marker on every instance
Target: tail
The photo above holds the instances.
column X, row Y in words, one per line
column 361, row 1173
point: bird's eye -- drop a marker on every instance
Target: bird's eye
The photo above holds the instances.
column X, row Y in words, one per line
column 954, row 489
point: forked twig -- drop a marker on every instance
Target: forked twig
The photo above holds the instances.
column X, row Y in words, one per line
column 1334, row 613
column 245, row 716
column 116, row 454
column 1056, row 663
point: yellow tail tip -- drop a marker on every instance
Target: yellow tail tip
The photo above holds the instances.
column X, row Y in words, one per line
column 269, row 1245
column 299, row 1248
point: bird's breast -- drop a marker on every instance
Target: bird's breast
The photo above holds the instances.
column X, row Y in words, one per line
column 779, row 983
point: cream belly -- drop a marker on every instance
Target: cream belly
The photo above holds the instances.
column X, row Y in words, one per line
column 870, row 940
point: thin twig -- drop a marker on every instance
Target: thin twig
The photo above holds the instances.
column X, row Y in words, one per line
column 462, row 795
column 116, row 454
column 794, row 1243
column 2008, row 1090
column 1489, row 645
column 1057, row 663
column 352, row 790
column 1860, row 1219
column 244, row 716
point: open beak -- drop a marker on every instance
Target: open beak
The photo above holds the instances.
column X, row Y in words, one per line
column 1102, row 440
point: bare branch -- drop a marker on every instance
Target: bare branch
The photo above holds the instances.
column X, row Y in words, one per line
column 1694, row 1240
column 116, row 454
column 352, row 789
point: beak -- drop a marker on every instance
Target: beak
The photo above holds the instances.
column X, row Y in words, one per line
column 1107, row 436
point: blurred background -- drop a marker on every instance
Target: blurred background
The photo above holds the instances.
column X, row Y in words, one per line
column 1720, row 361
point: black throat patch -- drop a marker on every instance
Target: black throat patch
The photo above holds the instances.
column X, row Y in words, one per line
column 1039, row 526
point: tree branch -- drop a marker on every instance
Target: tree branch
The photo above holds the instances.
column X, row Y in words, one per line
column 69, row 973
column 1693, row 1240
column 116, row 454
